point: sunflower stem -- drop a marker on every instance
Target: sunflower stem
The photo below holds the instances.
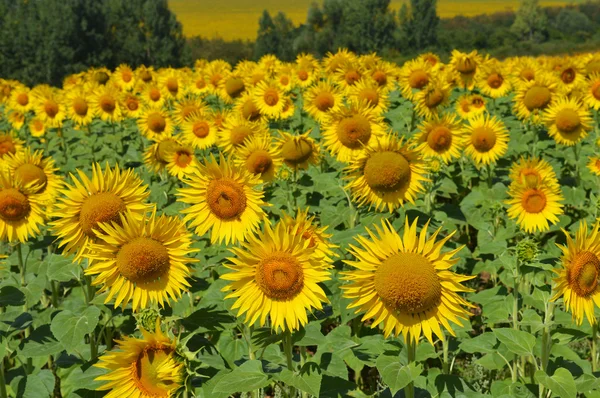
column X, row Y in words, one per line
column 445, row 364
column 289, row 354
column 54, row 288
column 23, row 269
column 411, row 353
column 546, row 341
column 3, row 393
column 595, row 347
column 576, row 153
column 515, row 318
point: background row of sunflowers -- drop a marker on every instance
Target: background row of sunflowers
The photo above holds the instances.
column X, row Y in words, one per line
column 289, row 229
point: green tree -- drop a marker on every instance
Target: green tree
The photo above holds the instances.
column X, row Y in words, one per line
column 423, row 24
column 531, row 22
column 267, row 41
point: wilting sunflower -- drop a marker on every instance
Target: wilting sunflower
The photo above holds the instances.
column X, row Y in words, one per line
column 467, row 65
column 155, row 122
column 405, row 282
column 105, row 103
column 260, row 156
column 414, row 77
column 224, row 199
column 78, row 106
column 594, row 165
column 235, row 132
column 103, row 198
column 348, row 131
column 48, row 105
column 386, row 175
column 142, row 368
column 298, row 151
column 533, row 206
column 276, row 274
column 306, row 226
column 21, row 212
column 441, row 137
column 486, row 139
column 534, row 97
column 9, row 144
column 181, row 161
column 247, row 108
column 20, row 99
column 322, row 98
column 32, row 169
column 157, row 155
column 432, row 99
column 469, row 105
column 368, row 90
column 199, row 130
column 145, row 74
column 492, row 79
column 141, row 259
column 577, row 280
column 592, row 92
column 568, row 121
column 531, row 171
column 269, row 99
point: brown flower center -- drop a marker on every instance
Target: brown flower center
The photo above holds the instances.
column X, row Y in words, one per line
column 156, row 123
column 234, row 87
column 143, row 260
column 483, row 138
column 126, row 75
column 568, row 75
column 201, row 129
column 387, row 172
column 324, row 101
column 567, row 120
column 259, row 162
column 408, row 283
column 14, row 205
column 533, row 201
column 280, row 276
column 29, row 173
column 51, row 108
column 582, row 274
column 132, row 104
column 596, row 90
column 183, row 157
column 172, row 85
column 271, row 97
column 6, row 145
column 370, row 95
column 239, row 134
column 80, row 106
column 23, row 99
column 439, row 139
column 154, row 94
column 302, row 74
column 352, row 77
column 434, row 98
column 527, row 74
column 418, row 79
column 98, row 208
column 107, row 103
column 380, row 77
column 226, row 198
column 537, row 97
column 295, row 151
column 354, row 131
column 495, row 80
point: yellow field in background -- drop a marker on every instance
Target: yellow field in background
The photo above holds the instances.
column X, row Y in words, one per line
column 238, row 19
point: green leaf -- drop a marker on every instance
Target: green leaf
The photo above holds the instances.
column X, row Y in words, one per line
column 309, row 335
column 250, row 376
column 394, row 374
column 308, row 380
column 517, row 341
column 70, row 328
column 10, row 295
column 560, row 383
column 61, row 269
column 36, row 386
column 484, row 343
column 587, row 383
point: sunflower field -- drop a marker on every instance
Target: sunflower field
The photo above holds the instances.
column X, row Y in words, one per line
column 344, row 227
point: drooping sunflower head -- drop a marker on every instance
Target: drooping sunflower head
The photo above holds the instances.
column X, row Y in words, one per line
column 307, row 227
column 405, row 282
column 298, row 151
column 278, row 269
column 224, row 199
column 260, row 156
column 231, row 87
column 568, row 121
column 487, row 139
column 322, row 98
column 386, row 175
column 533, row 206
column 90, row 201
column 21, row 208
column 441, row 138
column 534, row 97
column 432, row 99
column 467, row 66
column 146, row 367
column 247, row 108
column 577, row 279
column 469, row 105
column 333, row 62
column 157, row 155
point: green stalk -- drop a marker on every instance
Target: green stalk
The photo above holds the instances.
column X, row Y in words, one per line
column 54, row 294
column 515, row 373
column 576, row 153
column 23, row 268
column 288, row 348
column 411, row 352
column 595, row 347
column 445, row 364
column 3, row 393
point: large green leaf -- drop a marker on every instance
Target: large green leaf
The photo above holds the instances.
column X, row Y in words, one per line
column 517, row 341
column 250, row 376
column 394, row 374
column 561, row 383
column 70, row 328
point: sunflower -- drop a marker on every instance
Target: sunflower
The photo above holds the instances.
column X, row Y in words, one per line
column 298, row 151
column 235, row 132
column 215, row 72
column 307, row 70
column 181, row 161
column 592, row 92
column 348, row 131
column 260, row 156
column 231, row 87
column 21, row 212
column 568, row 121
column 199, row 84
column 348, row 75
column 534, row 205
column 441, row 137
column 534, row 97
column 577, row 280
column 157, row 155
column 469, row 105
column 105, row 103
column 30, row 168
column 432, row 99
column 386, row 175
column 224, row 199
column 286, row 78
column 142, row 368
column 78, row 107
column 570, row 73
column 525, row 69
column 145, row 74
column 37, row 128
column 172, row 82
column 9, row 144
column 333, row 62
column 247, row 108
column 269, row 99
column 199, row 130
column 99, row 76
column 276, row 274
column 88, row 202
column 492, row 80
column 289, row 109
column 153, row 96
column 185, row 107
column 16, row 119
column 305, row 225
column 131, row 105
column 368, row 90
column 123, row 77
column 322, row 98
column 47, row 103
column 467, row 65
column 414, row 77
column 594, row 165
column 20, row 99
column 405, row 282
column 155, row 122
column 141, row 259
column 486, row 139
column 385, row 74
column 531, row 172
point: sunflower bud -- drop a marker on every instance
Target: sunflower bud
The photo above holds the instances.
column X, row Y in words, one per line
column 527, row 251
column 147, row 319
